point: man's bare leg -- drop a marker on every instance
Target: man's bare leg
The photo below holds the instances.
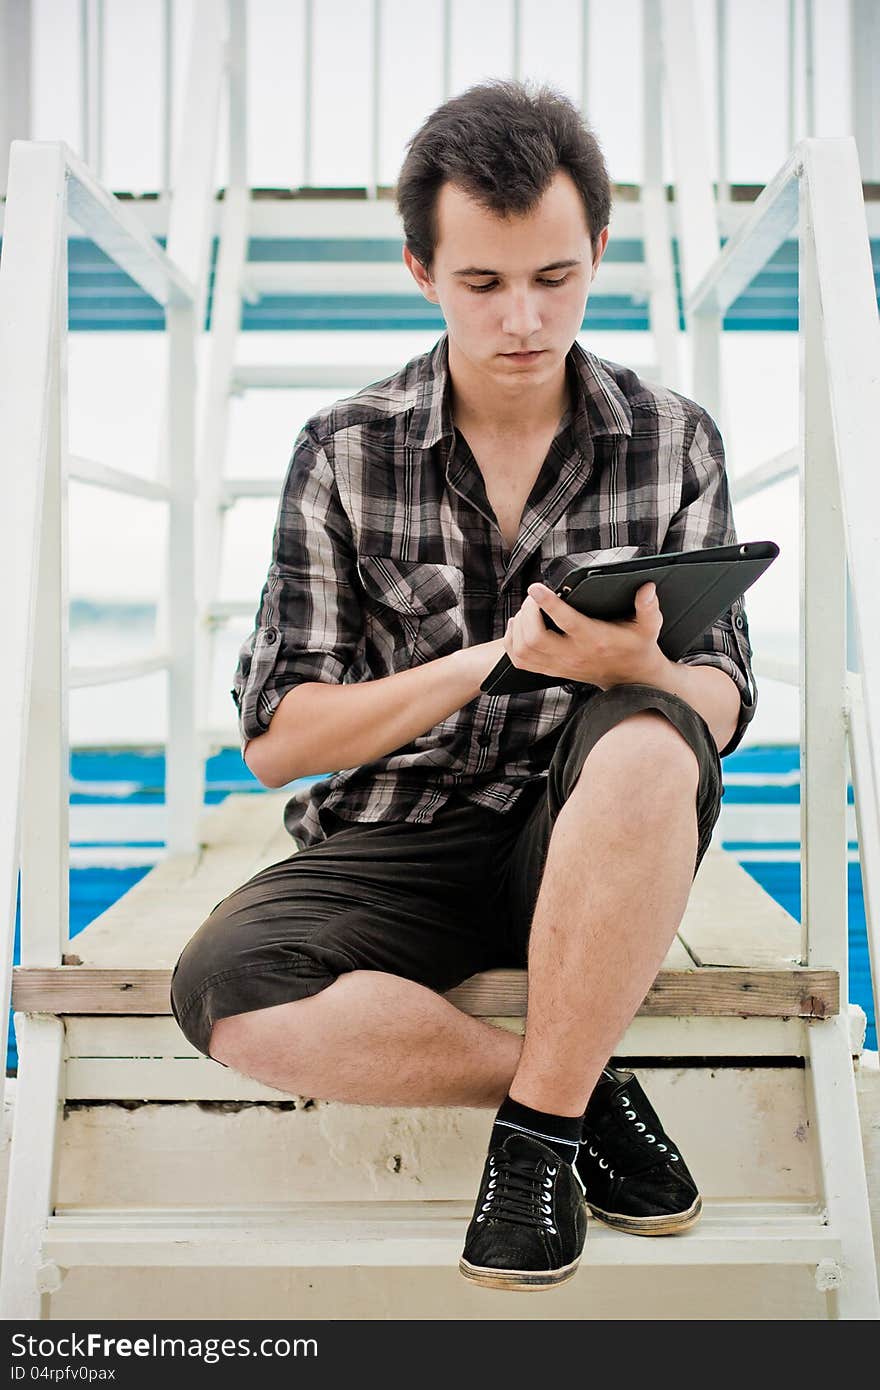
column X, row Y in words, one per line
column 616, row 882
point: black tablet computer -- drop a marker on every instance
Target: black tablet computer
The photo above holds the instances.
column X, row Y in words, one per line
column 694, row 587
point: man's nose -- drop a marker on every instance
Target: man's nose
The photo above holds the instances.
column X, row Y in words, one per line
column 521, row 315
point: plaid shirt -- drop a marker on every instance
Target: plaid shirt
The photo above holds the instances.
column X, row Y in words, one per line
column 386, row 554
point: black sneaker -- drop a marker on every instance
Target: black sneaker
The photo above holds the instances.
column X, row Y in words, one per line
column 529, row 1223
column 634, row 1176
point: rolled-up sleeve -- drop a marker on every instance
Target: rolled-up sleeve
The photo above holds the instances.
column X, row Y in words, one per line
column 705, row 518
column 309, row 624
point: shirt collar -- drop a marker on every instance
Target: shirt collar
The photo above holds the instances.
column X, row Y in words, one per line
column 599, row 406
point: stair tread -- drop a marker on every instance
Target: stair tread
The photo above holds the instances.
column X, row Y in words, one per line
column 408, row 1233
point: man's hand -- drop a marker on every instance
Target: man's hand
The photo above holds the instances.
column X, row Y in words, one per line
column 587, row 649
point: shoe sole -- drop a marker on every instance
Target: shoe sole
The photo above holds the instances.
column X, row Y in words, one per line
column 522, row 1279
column 650, row 1225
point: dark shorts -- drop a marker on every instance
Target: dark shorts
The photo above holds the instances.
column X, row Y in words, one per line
column 433, row 903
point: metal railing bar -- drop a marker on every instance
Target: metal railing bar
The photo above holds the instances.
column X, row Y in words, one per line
column 767, row 474
column 234, row 488
column 810, row 66
column 585, row 56
column 308, row 65
column 721, row 105
column 755, row 241
column 166, row 101
column 376, row 97
column 447, row 49
column 110, row 673
column 120, row 235
column 791, row 89
column 85, row 470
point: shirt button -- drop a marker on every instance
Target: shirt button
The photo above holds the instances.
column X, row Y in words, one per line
column 484, row 740
column 738, row 622
column 271, row 634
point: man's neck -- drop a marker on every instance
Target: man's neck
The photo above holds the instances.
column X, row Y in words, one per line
column 479, row 405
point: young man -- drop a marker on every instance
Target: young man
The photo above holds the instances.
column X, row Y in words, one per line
column 423, row 526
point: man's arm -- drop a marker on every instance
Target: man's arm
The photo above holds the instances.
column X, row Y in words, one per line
column 706, row 689
column 321, row 728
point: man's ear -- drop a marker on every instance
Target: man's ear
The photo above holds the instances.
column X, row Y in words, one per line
column 599, row 249
column 420, row 275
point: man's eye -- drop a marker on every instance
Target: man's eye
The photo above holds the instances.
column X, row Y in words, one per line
column 481, row 289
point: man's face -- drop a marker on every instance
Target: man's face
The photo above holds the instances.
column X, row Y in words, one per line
column 511, row 285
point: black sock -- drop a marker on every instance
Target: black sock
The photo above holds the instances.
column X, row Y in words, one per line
column 561, row 1133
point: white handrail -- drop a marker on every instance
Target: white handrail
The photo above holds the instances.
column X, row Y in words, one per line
column 122, row 236
column 773, row 215
column 820, row 187
column 47, row 185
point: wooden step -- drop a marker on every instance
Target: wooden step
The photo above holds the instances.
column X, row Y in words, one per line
column 413, row 1234
column 736, row 954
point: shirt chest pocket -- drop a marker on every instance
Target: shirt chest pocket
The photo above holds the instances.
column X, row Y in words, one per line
column 414, row 610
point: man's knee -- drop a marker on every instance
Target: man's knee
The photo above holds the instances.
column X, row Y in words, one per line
column 643, row 744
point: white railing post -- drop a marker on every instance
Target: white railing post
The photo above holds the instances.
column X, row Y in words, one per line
column 30, row 276
column 45, row 843
column 190, row 238
column 222, row 341
column 823, row 637
column 696, row 217
column 850, row 341
column 656, row 231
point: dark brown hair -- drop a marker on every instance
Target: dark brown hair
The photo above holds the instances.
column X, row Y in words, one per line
column 501, row 142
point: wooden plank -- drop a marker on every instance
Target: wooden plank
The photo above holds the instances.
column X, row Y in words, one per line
column 793, row 993
column 117, row 1037
column 412, row 1234
column 150, row 924
column 731, row 920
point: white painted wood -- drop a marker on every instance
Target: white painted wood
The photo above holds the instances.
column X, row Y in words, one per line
column 84, row 470
column 760, row 822
column 120, row 233
column 109, row 673
column 190, row 219
column 175, row 615
column 129, row 824
column 332, row 375
column 721, row 97
column 307, row 81
column 765, row 474
column 832, row 1095
column 657, row 232
column 864, row 91
column 212, row 495
column 376, row 91
column 393, row 277
column 417, row 1235
column 823, row 630
column 851, row 336
column 299, row 217
column 765, row 226
column 237, row 93
column 866, row 794
column 29, row 277
column 44, row 827
column 788, row 672
column 696, row 218
column 33, row 1163
column 707, row 386
column 15, row 79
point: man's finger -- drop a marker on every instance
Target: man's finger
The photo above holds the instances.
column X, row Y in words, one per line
column 562, row 613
